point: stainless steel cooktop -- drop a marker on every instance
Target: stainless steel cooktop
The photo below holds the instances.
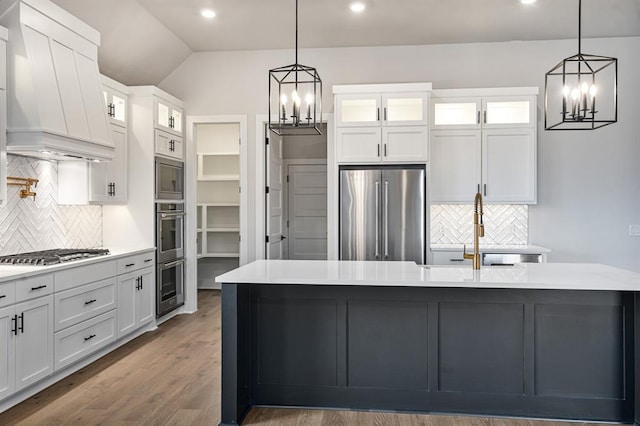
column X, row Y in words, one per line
column 51, row 257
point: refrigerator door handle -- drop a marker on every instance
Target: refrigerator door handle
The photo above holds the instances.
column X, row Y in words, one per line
column 377, row 219
column 386, row 219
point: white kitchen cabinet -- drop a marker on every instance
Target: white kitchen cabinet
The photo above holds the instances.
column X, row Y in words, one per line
column 382, row 123
column 3, row 117
column 84, row 338
column 169, row 145
column 7, row 351
column 483, row 140
column 115, row 97
column 108, row 179
column 34, row 341
column 168, row 116
column 135, row 300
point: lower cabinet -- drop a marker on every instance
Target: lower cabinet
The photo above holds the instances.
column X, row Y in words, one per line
column 135, row 300
column 26, row 344
column 85, row 338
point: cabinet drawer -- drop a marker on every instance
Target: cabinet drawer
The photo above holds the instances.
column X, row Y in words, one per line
column 80, row 275
column 30, row 288
column 449, row 258
column 133, row 263
column 85, row 338
column 7, row 293
column 81, row 303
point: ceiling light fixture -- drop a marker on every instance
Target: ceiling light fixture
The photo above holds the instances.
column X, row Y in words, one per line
column 527, row 1
column 295, row 82
column 571, row 88
column 208, row 13
column 357, row 6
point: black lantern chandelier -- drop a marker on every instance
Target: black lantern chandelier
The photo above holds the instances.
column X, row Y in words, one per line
column 289, row 87
column 572, row 87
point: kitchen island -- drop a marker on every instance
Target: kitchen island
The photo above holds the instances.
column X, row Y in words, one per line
column 533, row 340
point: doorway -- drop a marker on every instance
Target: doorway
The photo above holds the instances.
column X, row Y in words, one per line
column 296, row 196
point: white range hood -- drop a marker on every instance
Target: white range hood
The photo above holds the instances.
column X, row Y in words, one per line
column 54, row 98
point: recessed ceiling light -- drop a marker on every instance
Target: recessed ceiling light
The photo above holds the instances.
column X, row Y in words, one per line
column 527, row 1
column 208, row 13
column 357, row 6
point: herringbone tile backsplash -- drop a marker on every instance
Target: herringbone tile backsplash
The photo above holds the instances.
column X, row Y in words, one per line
column 504, row 224
column 29, row 225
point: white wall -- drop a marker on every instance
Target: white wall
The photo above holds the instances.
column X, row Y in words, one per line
column 588, row 182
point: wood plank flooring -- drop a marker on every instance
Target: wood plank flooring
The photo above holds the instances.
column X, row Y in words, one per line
column 172, row 377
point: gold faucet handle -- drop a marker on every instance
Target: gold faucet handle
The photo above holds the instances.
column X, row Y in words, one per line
column 481, row 230
column 466, row 255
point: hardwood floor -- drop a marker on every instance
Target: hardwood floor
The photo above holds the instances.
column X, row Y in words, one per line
column 172, row 377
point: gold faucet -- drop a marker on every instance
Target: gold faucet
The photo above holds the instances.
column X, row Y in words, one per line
column 26, row 183
column 478, row 231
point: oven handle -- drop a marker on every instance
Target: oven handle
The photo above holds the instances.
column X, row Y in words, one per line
column 171, row 264
column 163, row 215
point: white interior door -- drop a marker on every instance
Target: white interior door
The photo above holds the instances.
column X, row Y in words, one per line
column 274, row 176
column 307, row 211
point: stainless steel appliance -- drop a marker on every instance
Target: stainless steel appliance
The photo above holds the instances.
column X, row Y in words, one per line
column 170, row 286
column 169, row 231
column 169, row 179
column 51, row 257
column 382, row 213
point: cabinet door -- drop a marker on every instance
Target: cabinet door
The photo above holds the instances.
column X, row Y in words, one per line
column 509, row 165
column 175, row 122
column 405, row 109
column 407, row 144
column 108, row 179
column 7, row 352
column 169, row 145
column 508, row 111
column 145, row 297
column 358, row 110
column 359, row 144
column 455, row 113
column 34, row 343
column 116, row 106
column 455, row 165
column 163, row 114
column 127, row 294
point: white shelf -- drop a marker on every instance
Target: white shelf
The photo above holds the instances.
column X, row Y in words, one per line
column 219, row 205
column 222, row 229
column 230, row 153
column 219, row 178
column 221, row 255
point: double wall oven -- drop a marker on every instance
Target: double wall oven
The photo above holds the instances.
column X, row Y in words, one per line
column 169, row 235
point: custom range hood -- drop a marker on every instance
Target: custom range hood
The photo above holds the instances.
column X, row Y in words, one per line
column 54, row 98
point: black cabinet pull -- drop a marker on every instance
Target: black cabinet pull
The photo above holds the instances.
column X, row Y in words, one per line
column 21, row 328
column 111, row 110
column 2, row 296
column 90, row 302
column 114, row 188
column 457, row 260
column 14, row 325
column 38, row 287
column 148, row 260
column 89, row 338
column 141, row 285
column 128, row 265
column 137, row 283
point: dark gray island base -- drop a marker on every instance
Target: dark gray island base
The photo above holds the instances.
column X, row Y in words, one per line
column 564, row 354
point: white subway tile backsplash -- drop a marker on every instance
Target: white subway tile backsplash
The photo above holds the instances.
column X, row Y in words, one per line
column 30, row 225
column 504, row 224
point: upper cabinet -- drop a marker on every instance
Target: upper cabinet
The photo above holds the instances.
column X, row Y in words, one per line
column 483, row 140
column 115, row 101
column 54, row 87
column 168, row 116
column 385, row 123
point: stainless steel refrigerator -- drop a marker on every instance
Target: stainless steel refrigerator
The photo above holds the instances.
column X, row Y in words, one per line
column 382, row 213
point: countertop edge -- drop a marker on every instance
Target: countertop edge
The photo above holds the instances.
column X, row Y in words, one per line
column 491, row 249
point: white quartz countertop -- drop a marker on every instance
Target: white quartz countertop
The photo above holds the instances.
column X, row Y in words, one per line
column 14, row 272
column 555, row 276
column 493, row 248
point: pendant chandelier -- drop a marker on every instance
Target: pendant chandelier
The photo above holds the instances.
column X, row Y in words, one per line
column 295, row 98
column 572, row 87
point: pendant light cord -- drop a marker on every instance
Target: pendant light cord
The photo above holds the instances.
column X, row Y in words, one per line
column 297, row 33
column 579, row 26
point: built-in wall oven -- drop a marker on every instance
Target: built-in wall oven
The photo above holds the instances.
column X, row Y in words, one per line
column 169, row 231
column 170, row 288
column 169, row 179
column 170, row 256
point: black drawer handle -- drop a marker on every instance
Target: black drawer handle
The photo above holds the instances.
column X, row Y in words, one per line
column 38, row 288
column 21, row 328
column 148, row 260
column 90, row 302
column 2, row 296
column 89, row 338
column 128, row 265
column 457, row 260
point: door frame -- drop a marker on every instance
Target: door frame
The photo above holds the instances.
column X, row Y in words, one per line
column 260, row 184
column 285, row 199
column 190, row 200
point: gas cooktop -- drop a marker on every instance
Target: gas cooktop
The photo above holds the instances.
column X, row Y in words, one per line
column 51, row 257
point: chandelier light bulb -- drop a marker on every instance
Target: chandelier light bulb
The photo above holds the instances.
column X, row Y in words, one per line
column 575, row 94
column 295, row 98
column 308, row 98
column 593, row 90
column 584, row 87
column 566, row 91
column 283, row 99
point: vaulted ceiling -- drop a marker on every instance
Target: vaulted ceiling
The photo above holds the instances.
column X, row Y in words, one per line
column 144, row 40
